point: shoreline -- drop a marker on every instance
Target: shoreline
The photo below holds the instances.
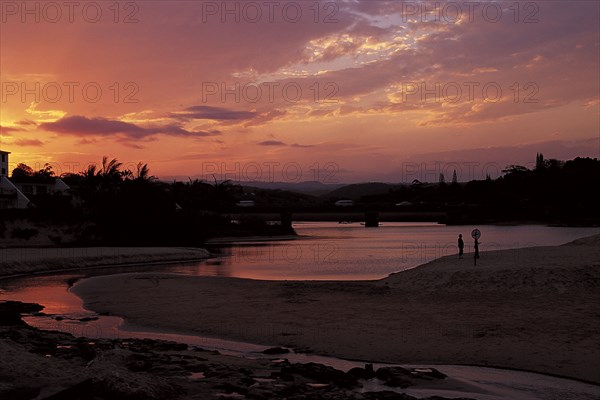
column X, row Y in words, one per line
column 101, row 266
column 508, row 312
column 16, row 262
column 250, row 239
column 130, row 327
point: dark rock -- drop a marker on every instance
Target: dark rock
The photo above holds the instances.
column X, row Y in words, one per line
column 282, row 376
column 358, row 372
column 247, row 381
column 20, row 393
column 291, row 391
column 258, row 396
column 387, row 395
column 322, row 374
column 80, row 391
column 276, row 350
column 157, row 345
column 86, row 319
column 395, row 376
column 10, row 312
column 446, row 398
column 228, row 388
column 121, row 384
column 86, row 351
column 363, row 373
column 138, row 363
column 427, row 373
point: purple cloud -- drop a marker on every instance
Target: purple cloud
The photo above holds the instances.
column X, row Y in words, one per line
column 29, row 142
column 79, row 125
column 271, row 143
column 10, row 129
column 27, row 122
column 280, row 143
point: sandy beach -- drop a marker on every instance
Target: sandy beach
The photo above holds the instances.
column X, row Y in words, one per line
column 14, row 261
column 532, row 309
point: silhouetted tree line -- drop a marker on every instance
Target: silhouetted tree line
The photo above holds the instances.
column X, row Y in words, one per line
column 120, row 206
column 132, row 207
column 553, row 191
column 24, row 173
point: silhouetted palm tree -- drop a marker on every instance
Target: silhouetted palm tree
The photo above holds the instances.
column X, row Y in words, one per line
column 223, row 192
column 90, row 172
column 143, row 173
column 110, row 169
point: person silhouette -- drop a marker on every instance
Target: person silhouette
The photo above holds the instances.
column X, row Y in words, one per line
column 461, row 246
column 476, row 247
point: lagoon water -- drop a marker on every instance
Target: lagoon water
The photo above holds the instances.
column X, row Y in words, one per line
column 328, row 250
column 324, row 250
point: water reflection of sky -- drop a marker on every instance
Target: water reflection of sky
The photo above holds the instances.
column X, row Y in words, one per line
column 329, row 250
column 326, row 250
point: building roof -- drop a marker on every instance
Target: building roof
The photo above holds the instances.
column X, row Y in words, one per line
column 5, row 152
column 34, row 180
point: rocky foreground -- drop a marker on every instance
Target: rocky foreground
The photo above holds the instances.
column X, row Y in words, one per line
column 39, row 364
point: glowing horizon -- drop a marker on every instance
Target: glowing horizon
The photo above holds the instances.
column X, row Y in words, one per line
column 335, row 92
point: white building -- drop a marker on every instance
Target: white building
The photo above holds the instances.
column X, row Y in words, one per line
column 14, row 194
column 35, row 187
column 4, row 163
column 10, row 195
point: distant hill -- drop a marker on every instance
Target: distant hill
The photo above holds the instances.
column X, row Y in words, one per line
column 313, row 188
column 358, row 190
column 279, row 197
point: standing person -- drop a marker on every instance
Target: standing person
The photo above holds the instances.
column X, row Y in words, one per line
column 476, row 247
column 461, row 246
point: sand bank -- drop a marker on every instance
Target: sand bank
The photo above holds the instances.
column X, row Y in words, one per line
column 28, row 260
column 533, row 309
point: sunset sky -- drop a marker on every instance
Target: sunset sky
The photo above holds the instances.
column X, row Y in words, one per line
column 336, row 91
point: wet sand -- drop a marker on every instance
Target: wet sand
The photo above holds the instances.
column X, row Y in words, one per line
column 532, row 309
column 52, row 365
